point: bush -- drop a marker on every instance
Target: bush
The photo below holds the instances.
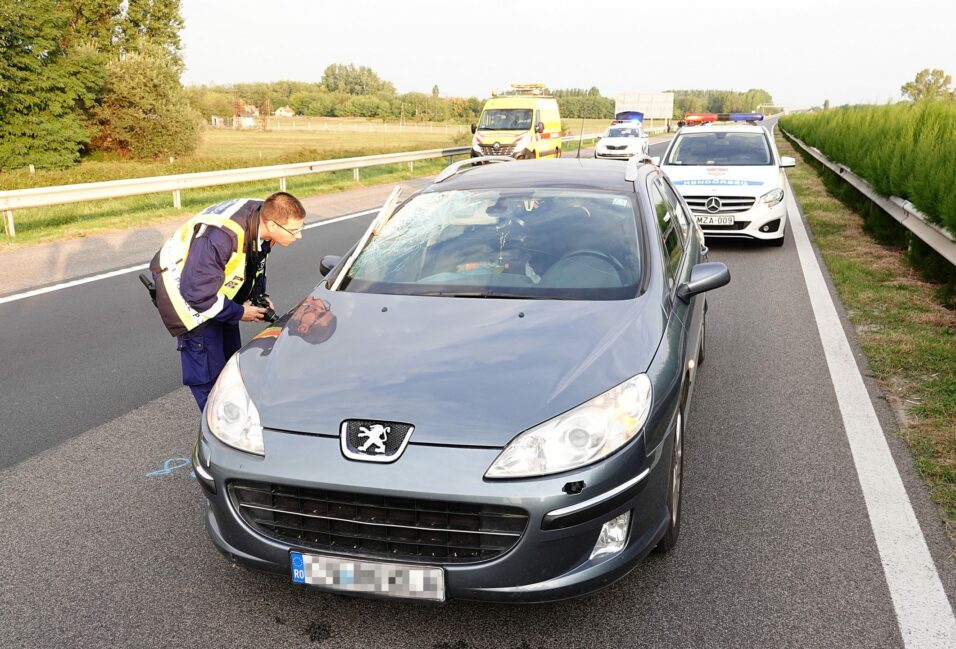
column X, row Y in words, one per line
column 145, row 112
column 904, row 149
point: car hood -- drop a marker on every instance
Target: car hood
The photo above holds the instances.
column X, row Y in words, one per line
column 501, row 137
column 724, row 181
column 463, row 371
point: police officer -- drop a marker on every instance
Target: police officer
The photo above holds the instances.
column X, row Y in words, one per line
column 209, row 274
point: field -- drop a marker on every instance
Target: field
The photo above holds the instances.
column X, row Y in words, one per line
column 287, row 141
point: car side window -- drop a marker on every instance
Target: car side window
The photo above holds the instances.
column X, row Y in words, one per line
column 674, row 205
column 670, row 237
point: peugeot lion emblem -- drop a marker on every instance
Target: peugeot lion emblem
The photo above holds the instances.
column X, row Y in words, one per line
column 374, row 441
column 375, row 436
column 712, row 204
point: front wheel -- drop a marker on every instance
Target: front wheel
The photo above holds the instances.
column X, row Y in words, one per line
column 675, row 478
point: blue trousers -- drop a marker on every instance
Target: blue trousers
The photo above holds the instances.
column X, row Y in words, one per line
column 204, row 352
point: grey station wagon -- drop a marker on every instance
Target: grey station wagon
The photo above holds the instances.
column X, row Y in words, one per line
column 484, row 399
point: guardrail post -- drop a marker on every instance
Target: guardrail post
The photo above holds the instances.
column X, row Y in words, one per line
column 177, row 200
column 8, row 223
column 411, row 165
column 355, row 174
column 282, row 184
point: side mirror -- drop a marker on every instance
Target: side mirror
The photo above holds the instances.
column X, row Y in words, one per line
column 656, row 160
column 539, row 127
column 328, row 263
column 787, row 161
column 704, row 277
column 598, row 138
column 474, row 128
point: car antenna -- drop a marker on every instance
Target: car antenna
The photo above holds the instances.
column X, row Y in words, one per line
column 580, row 138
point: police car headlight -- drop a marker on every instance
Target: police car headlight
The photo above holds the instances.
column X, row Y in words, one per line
column 230, row 414
column 773, row 197
column 581, row 436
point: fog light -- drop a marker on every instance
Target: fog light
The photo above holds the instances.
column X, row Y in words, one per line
column 613, row 536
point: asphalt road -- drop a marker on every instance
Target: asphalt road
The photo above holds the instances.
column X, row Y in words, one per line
column 103, row 546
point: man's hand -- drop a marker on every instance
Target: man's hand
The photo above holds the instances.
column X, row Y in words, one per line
column 252, row 313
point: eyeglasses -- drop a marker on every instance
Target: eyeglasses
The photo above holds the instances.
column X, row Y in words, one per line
column 295, row 233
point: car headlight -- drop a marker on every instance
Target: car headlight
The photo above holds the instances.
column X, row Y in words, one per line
column 583, row 435
column 230, row 413
column 772, row 197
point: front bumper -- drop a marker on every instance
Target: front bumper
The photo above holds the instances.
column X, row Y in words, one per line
column 550, row 561
column 759, row 222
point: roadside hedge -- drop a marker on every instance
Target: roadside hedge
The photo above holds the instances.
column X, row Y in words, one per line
column 904, row 149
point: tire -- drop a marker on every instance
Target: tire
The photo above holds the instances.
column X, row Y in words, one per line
column 675, row 479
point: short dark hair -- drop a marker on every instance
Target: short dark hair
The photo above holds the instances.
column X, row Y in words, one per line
column 282, row 207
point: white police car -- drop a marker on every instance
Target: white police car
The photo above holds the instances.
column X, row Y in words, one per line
column 731, row 176
column 621, row 141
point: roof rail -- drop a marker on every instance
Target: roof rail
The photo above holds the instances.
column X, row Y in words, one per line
column 635, row 161
column 461, row 165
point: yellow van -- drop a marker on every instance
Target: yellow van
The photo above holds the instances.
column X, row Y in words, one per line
column 522, row 125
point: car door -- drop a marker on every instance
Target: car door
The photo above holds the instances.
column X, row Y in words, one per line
column 693, row 314
column 674, row 345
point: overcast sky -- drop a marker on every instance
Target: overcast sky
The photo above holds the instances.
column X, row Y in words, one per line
column 801, row 51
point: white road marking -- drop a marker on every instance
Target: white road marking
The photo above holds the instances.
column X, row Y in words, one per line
column 923, row 612
column 139, row 267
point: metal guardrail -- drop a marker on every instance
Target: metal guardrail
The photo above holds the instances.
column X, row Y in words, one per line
column 17, row 199
column 900, row 209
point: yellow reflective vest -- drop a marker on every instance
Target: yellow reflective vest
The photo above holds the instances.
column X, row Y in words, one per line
column 168, row 264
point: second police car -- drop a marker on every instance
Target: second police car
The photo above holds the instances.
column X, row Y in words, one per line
column 731, row 176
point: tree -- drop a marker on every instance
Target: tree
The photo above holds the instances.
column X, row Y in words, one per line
column 435, row 91
column 354, row 80
column 145, row 111
column 156, row 21
column 47, row 86
column 826, row 104
column 929, row 85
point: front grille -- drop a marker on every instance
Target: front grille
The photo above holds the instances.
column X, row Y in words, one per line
column 616, row 148
column 488, row 149
column 728, row 204
column 381, row 527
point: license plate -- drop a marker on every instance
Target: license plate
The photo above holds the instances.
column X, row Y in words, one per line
column 371, row 577
column 715, row 220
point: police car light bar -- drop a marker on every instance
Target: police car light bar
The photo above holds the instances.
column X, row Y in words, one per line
column 706, row 118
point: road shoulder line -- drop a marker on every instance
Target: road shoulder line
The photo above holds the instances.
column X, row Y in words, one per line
column 922, row 608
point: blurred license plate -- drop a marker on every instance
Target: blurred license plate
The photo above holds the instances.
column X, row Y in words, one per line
column 372, row 577
column 715, row 220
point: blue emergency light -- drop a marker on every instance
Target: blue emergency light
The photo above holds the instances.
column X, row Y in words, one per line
column 628, row 116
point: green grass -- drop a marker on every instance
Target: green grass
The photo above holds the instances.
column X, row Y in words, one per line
column 227, row 149
column 907, row 334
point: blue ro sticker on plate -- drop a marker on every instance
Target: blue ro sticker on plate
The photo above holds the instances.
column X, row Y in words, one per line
column 298, row 568
column 374, row 577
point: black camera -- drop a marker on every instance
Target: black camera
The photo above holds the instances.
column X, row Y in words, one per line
column 263, row 302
